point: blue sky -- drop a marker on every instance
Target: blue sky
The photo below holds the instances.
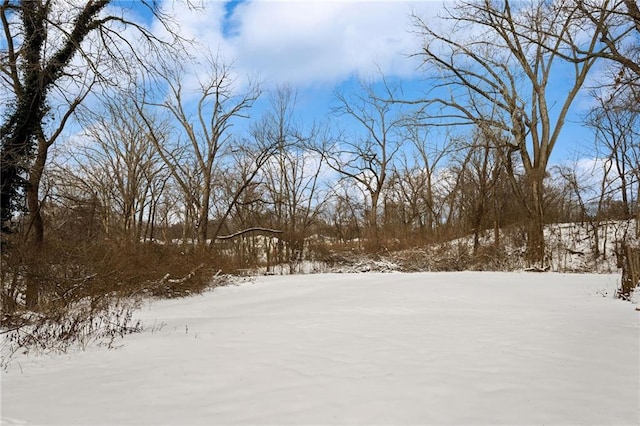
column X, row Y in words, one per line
column 318, row 47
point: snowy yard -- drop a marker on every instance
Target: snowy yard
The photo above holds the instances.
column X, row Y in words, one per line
column 427, row 348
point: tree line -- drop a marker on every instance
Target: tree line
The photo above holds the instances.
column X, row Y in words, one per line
column 170, row 173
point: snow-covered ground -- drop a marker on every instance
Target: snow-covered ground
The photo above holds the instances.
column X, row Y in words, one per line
column 426, row 348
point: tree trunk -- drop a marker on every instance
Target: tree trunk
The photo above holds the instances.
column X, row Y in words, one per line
column 478, row 215
column 535, row 233
column 595, row 225
column 203, row 224
column 638, row 209
column 34, row 234
column 496, row 222
column 374, row 237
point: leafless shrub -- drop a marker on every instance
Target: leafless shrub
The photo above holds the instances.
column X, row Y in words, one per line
column 78, row 326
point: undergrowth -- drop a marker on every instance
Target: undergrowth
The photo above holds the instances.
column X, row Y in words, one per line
column 88, row 290
column 78, row 327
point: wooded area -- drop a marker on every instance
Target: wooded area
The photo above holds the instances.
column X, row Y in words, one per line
column 160, row 182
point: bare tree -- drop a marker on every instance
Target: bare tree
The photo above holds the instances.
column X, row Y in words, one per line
column 38, row 69
column 205, row 130
column 240, row 178
column 119, row 156
column 616, row 126
column 346, row 212
column 291, row 176
column 413, row 184
column 481, row 168
column 595, row 190
column 498, row 74
column 367, row 157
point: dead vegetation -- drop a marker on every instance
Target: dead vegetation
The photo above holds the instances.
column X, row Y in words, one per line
column 89, row 289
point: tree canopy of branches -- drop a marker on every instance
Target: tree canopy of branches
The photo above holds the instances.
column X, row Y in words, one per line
column 619, row 24
column 616, row 126
column 366, row 157
column 165, row 142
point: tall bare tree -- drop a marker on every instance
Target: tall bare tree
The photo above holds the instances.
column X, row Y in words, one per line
column 414, row 178
column 481, row 168
column 499, row 74
column 57, row 53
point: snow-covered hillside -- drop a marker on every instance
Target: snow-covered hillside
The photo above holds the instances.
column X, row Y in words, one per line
column 427, row 348
column 587, row 247
column 570, row 247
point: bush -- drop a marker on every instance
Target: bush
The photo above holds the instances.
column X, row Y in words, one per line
column 65, row 272
column 87, row 290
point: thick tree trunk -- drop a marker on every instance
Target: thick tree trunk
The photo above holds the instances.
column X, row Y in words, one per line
column 535, row 233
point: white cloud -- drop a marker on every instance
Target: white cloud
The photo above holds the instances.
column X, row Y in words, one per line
column 305, row 43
